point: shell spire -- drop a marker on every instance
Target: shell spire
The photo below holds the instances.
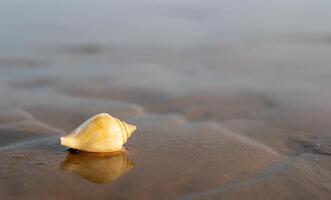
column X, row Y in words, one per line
column 129, row 128
column 100, row 133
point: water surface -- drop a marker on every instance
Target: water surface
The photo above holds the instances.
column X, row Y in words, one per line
column 231, row 98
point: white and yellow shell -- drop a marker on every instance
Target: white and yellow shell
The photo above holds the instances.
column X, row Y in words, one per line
column 100, row 133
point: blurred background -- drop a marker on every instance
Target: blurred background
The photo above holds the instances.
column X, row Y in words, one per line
column 204, row 60
column 164, row 48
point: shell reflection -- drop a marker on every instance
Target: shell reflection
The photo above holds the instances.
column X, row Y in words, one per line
column 98, row 169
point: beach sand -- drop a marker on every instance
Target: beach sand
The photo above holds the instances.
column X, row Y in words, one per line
column 236, row 109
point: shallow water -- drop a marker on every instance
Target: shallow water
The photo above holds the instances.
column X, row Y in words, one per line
column 231, row 99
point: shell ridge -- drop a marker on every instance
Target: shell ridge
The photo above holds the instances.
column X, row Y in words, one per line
column 123, row 130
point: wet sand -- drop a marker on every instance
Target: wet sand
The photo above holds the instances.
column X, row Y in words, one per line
column 236, row 109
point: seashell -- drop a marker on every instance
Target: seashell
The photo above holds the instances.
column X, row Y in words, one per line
column 98, row 169
column 100, row 133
